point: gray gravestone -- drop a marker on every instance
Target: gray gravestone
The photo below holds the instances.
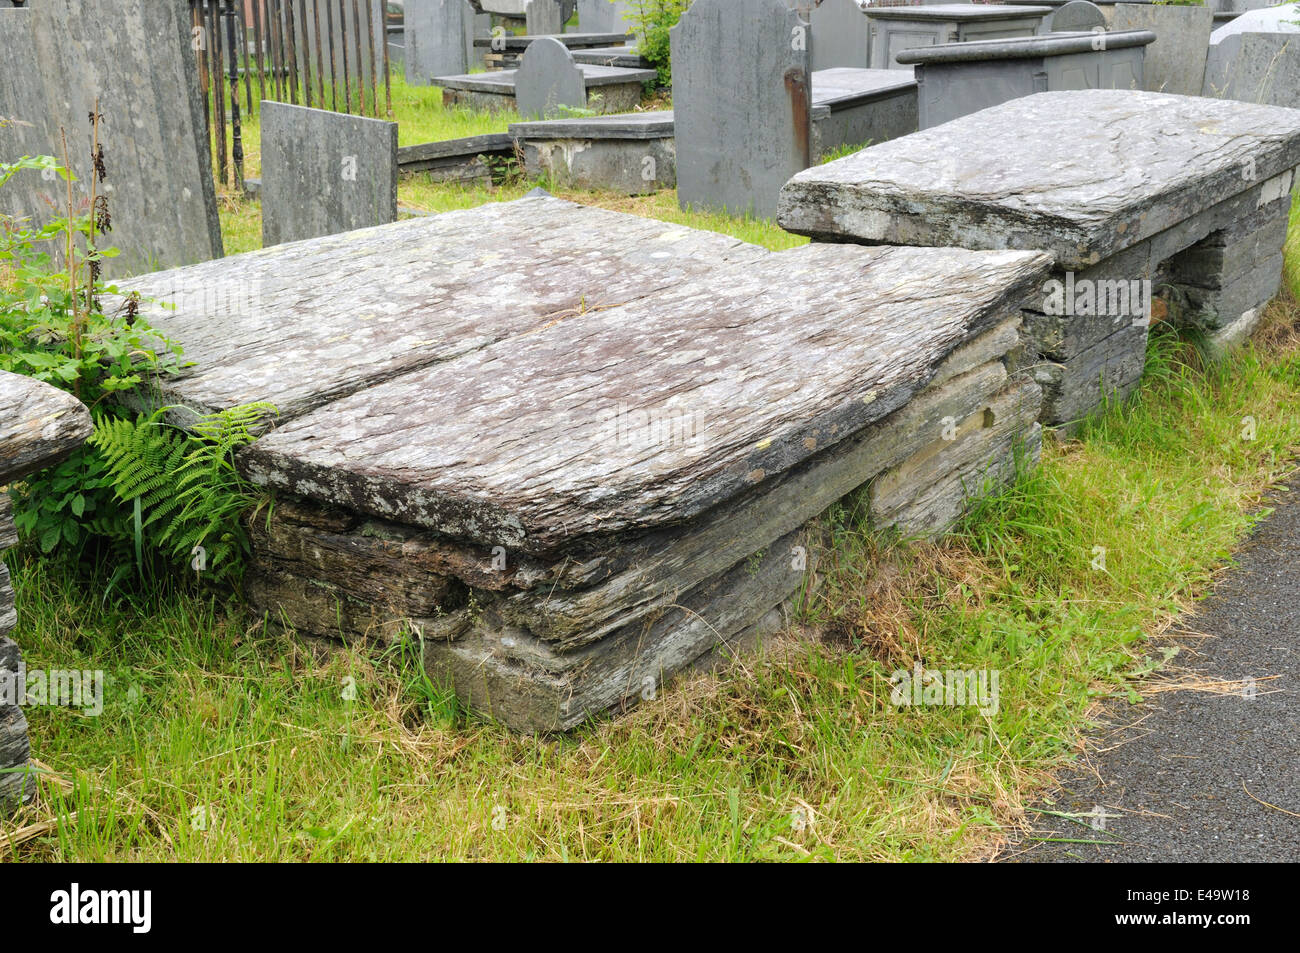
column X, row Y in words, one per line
column 742, row 103
column 1175, row 62
column 439, row 39
column 841, row 35
column 605, row 16
column 324, row 172
column 1078, row 16
column 1256, row 68
column 544, row 18
column 547, row 79
column 56, row 62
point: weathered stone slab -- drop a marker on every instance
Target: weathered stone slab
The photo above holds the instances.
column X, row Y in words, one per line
column 957, row 79
column 324, row 172
column 290, row 326
column 742, row 102
column 841, row 35
column 716, row 357
column 57, row 62
column 984, row 185
column 624, row 57
column 39, row 426
column 548, row 80
column 439, row 39
column 894, row 29
column 1255, row 68
column 518, row 43
column 1175, row 62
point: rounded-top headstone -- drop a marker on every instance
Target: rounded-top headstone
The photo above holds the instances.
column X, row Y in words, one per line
column 547, row 79
column 1077, row 16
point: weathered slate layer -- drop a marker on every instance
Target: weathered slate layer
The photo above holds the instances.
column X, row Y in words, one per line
column 39, row 426
column 304, row 323
column 1081, row 175
column 542, row 645
column 517, row 444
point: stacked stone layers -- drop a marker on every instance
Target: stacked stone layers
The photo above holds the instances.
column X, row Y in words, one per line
column 1129, row 191
column 580, row 453
column 38, row 427
column 542, row 642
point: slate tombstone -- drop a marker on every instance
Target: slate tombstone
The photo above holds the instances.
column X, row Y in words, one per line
column 604, row 16
column 841, row 35
column 324, row 172
column 56, row 62
column 439, row 39
column 545, row 17
column 741, row 102
column 547, row 79
column 1175, row 62
column 1078, row 16
column 1255, row 68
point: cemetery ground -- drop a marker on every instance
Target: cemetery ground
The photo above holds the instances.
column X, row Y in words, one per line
column 222, row 739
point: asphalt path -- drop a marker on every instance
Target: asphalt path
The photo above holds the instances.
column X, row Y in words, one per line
column 1195, row 775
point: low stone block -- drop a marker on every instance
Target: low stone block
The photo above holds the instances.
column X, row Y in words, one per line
column 635, row 153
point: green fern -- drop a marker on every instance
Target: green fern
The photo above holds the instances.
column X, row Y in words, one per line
column 183, row 484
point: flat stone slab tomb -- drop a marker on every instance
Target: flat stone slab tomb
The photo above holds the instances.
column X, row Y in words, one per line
column 610, row 89
column 1129, row 191
column 633, row 153
column 579, row 452
column 955, row 79
column 39, row 426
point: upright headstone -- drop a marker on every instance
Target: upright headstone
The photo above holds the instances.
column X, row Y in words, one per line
column 841, row 35
column 544, row 18
column 1175, row 62
column 1255, row 68
column 1078, row 16
column 57, row 61
column 439, row 39
column 324, row 172
column 605, row 16
column 548, row 79
column 741, row 102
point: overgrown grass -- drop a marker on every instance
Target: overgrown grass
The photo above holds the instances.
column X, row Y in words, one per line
column 222, row 741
